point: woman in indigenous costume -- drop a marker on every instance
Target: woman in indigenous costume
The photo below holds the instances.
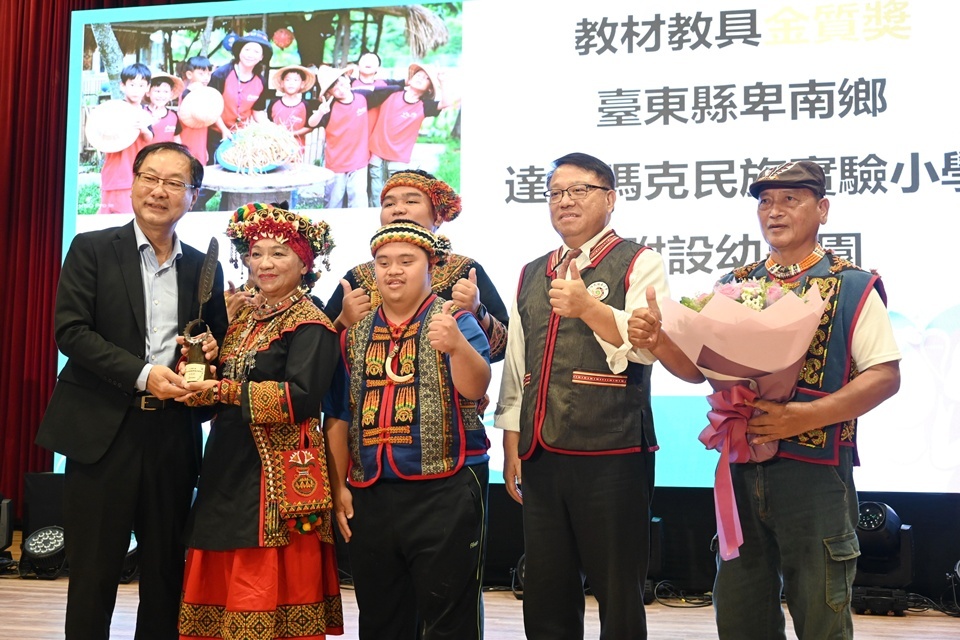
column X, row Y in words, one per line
column 251, row 571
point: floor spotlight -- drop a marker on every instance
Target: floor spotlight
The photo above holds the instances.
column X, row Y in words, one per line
column 42, row 554
column 885, row 565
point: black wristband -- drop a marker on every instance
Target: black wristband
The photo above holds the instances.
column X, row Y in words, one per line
column 481, row 313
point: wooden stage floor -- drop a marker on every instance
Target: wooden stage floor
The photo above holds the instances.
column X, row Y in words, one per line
column 33, row 609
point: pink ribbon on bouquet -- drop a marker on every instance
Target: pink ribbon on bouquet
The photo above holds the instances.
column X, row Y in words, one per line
column 727, row 433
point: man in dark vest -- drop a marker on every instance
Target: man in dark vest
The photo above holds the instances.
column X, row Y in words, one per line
column 575, row 409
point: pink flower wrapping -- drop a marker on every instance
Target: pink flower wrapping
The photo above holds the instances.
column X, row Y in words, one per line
column 744, row 353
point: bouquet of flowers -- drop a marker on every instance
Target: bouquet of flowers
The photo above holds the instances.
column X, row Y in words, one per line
column 749, row 339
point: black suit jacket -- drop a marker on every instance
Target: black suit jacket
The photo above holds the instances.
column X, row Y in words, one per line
column 101, row 328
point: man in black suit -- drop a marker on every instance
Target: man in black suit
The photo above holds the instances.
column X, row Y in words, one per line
column 132, row 451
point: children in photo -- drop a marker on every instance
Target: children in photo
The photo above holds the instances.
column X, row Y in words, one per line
column 365, row 74
column 164, row 88
column 116, row 177
column 290, row 109
column 346, row 126
column 398, row 125
column 196, row 74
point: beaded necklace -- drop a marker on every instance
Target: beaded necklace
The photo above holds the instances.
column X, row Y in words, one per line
column 783, row 272
column 265, row 310
column 255, row 336
column 396, row 333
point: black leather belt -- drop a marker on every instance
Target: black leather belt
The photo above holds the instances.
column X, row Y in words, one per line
column 148, row 402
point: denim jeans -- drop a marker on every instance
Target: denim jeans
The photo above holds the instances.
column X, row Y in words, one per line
column 799, row 535
column 375, row 180
column 352, row 184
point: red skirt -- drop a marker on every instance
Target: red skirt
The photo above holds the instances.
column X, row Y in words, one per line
column 263, row 593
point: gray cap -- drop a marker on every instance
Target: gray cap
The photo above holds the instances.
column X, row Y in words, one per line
column 792, row 175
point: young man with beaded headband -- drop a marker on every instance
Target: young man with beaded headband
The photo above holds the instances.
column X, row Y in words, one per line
column 251, row 572
column 419, row 196
column 799, row 510
column 406, row 434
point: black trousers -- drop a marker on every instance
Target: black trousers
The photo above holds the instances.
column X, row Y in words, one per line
column 144, row 483
column 417, row 557
column 586, row 516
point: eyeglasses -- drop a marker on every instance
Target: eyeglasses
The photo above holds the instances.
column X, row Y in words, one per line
column 576, row 192
column 170, row 186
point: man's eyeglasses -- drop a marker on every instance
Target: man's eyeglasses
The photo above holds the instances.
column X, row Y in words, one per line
column 170, row 186
column 576, row 192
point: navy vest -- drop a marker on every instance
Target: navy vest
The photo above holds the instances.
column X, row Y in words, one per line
column 421, row 424
column 829, row 365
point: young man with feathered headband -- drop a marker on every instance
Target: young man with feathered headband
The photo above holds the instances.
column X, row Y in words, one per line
column 407, row 435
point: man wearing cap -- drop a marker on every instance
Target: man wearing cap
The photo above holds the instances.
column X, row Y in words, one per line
column 133, row 453
column 575, row 408
column 799, row 510
column 399, row 120
column 405, row 431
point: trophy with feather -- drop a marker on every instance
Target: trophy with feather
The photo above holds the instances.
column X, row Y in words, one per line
column 197, row 367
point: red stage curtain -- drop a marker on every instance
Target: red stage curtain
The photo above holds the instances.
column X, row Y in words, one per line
column 34, row 57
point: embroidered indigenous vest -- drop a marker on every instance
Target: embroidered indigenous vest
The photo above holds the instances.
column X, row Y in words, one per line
column 420, row 425
column 571, row 401
column 442, row 280
column 829, row 365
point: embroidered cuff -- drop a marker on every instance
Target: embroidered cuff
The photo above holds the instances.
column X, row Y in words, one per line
column 228, row 391
column 203, row 398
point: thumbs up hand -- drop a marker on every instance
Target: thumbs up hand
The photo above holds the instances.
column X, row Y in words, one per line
column 466, row 294
column 643, row 327
column 570, row 298
column 444, row 333
column 356, row 305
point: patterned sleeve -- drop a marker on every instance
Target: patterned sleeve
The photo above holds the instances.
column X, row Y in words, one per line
column 499, row 318
column 311, row 353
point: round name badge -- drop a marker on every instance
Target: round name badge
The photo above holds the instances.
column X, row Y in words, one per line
column 599, row 290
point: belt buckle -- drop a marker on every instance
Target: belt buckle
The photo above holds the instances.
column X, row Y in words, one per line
column 143, row 404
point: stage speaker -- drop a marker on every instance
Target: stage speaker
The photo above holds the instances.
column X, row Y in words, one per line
column 7, row 564
column 42, row 501
column 6, row 523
